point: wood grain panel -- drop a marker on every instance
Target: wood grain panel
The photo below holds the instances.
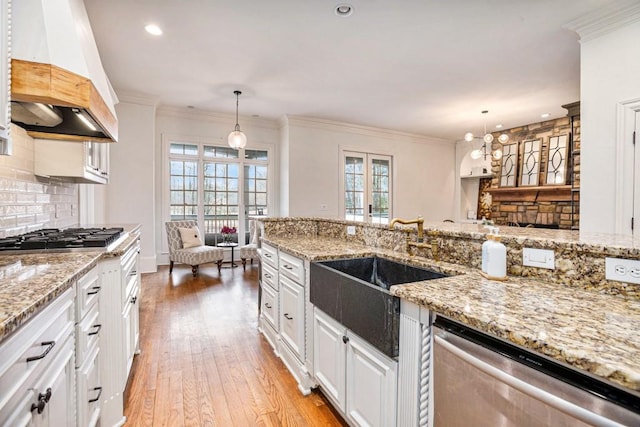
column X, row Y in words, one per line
column 50, row 84
column 203, row 362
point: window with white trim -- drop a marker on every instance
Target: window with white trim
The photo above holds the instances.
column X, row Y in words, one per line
column 217, row 186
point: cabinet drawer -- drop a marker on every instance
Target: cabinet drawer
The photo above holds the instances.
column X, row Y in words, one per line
column 269, row 255
column 28, row 352
column 89, row 389
column 292, row 267
column 270, row 276
column 88, row 293
column 292, row 316
column 270, row 306
column 87, row 334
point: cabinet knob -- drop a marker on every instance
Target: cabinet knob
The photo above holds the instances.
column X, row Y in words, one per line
column 345, row 339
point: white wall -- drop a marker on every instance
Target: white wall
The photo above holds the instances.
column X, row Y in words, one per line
column 423, row 168
column 130, row 195
column 610, row 70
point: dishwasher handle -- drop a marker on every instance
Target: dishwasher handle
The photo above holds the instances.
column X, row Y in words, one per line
column 534, row 392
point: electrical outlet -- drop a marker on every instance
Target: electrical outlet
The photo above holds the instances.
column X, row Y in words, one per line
column 541, row 258
column 351, row 230
column 622, row 270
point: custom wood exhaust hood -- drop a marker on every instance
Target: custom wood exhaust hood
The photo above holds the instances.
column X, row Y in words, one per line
column 59, row 89
column 70, row 94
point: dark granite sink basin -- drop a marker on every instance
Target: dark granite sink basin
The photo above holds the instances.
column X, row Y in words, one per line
column 355, row 292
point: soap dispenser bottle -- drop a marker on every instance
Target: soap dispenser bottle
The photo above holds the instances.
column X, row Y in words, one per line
column 485, row 249
column 496, row 257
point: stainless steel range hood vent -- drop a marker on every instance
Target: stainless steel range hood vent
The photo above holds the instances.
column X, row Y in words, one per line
column 59, row 89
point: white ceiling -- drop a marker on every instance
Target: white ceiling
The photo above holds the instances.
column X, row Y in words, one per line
column 421, row 66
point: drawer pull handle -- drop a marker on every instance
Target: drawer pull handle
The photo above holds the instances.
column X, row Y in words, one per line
column 266, row 304
column 267, row 275
column 49, row 345
column 286, row 315
column 98, row 327
column 99, row 390
column 95, row 290
column 288, row 267
column 345, row 339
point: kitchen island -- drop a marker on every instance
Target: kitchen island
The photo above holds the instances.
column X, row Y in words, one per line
column 570, row 314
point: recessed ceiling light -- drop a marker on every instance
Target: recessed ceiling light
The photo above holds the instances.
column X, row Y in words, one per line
column 499, row 126
column 153, row 29
column 545, row 115
column 343, row 10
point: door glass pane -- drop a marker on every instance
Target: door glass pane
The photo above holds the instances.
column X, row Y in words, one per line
column 354, row 188
column 220, row 196
column 255, row 194
column 380, row 171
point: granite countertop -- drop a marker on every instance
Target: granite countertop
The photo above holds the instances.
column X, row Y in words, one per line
column 591, row 331
column 30, row 281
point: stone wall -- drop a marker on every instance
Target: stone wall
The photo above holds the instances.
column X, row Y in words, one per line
column 528, row 206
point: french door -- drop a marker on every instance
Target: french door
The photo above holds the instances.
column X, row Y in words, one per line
column 367, row 187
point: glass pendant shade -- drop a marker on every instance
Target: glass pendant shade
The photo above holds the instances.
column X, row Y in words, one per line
column 476, row 154
column 468, row 137
column 237, row 139
column 488, row 138
column 497, row 154
column 504, row 138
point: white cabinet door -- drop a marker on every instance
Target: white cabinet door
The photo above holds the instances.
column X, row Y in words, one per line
column 292, row 315
column 329, row 355
column 57, row 387
column 269, row 308
column 371, row 385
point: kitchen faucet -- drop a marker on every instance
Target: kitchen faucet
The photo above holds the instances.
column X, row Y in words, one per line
column 419, row 244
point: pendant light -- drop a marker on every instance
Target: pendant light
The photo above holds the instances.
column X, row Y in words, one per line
column 487, row 139
column 237, row 139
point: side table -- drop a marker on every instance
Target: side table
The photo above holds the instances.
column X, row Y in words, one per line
column 233, row 247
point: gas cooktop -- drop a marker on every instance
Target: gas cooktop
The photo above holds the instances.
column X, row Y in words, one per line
column 67, row 239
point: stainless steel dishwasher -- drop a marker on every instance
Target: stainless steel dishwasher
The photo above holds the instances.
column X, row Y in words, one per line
column 480, row 380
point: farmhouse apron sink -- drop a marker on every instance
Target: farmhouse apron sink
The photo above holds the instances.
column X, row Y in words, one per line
column 355, row 292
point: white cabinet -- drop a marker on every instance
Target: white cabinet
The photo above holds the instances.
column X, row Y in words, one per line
column 82, row 162
column 283, row 311
column 292, row 315
column 119, row 311
column 357, row 378
column 88, row 327
column 5, row 76
column 329, row 357
column 37, row 373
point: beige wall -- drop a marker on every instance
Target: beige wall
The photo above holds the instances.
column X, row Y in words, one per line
column 28, row 202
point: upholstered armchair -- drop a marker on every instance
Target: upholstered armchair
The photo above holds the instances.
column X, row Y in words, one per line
column 250, row 251
column 186, row 246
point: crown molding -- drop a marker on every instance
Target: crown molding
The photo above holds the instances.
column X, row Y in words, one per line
column 132, row 97
column 605, row 20
column 332, row 125
column 214, row 116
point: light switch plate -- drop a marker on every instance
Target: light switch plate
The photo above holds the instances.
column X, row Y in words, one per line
column 351, row 230
column 622, row 270
column 541, row 258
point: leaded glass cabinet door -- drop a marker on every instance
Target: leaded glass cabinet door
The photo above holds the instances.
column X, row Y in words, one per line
column 367, row 187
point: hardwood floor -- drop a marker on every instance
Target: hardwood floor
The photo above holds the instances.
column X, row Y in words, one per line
column 203, row 362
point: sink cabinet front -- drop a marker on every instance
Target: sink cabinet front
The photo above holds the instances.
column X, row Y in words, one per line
column 359, row 380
